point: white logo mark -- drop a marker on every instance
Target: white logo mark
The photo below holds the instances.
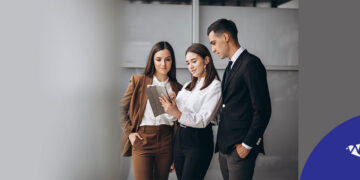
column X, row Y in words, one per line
column 354, row 150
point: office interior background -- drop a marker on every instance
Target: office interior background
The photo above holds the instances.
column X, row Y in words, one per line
column 83, row 54
column 269, row 33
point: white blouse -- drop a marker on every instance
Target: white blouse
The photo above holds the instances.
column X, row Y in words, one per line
column 149, row 119
column 199, row 107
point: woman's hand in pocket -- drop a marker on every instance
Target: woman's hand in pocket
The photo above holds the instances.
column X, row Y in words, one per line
column 172, row 168
column 133, row 136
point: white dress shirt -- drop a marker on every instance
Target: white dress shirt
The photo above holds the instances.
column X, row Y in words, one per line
column 149, row 119
column 199, row 107
column 236, row 55
column 233, row 59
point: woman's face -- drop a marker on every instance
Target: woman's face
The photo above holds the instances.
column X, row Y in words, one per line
column 196, row 64
column 162, row 62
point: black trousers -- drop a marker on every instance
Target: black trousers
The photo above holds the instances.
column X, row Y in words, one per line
column 233, row 167
column 193, row 151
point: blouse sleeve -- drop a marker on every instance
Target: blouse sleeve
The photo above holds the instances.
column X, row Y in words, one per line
column 208, row 108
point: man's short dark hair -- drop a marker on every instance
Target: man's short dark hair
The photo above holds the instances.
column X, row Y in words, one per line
column 221, row 26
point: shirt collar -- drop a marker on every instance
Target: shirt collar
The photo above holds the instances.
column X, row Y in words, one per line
column 157, row 82
column 201, row 79
column 236, row 55
column 200, row 82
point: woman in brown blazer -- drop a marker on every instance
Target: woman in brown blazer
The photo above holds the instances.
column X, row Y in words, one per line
column 146, row 138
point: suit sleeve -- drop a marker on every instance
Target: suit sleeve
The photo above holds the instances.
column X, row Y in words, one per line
column 125, row 104
column 256, row 82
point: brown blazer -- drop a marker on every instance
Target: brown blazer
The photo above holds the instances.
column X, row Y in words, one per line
column 133, row 107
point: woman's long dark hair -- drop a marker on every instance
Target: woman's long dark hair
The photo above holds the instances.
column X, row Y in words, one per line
column 211, row 72
column 150, row 67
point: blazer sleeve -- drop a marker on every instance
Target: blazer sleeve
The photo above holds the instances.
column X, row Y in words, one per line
column 256, row 82
column 125, row 104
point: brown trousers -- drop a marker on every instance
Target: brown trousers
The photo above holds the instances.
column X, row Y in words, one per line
column 152, row 156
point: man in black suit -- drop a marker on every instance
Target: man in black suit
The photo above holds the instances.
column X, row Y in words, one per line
column 246, row 106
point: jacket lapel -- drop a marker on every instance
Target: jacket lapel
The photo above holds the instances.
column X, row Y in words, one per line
column 222, row 82
column 143, row 99
column 234, row 69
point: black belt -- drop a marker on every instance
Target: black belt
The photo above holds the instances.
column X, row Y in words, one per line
column 184, row 126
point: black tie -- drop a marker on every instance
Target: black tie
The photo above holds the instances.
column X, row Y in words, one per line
column 227, row 72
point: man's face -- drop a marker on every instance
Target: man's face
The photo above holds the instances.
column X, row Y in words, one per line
column 218, row 45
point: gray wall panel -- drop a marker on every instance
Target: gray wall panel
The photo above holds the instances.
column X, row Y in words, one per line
column 271, row 34
column 142, row 25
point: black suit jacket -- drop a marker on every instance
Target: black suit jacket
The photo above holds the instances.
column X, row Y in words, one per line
column 246, row 106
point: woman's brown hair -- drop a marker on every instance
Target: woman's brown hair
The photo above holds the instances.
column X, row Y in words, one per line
column 211, row 72
column 150, row 67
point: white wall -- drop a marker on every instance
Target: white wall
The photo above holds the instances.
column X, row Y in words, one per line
column 58, row 99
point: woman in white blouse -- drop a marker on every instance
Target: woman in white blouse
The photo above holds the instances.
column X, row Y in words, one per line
column 149, row 139
column 196, row 107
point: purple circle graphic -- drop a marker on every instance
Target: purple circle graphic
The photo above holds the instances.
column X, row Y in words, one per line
column 337, row 156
